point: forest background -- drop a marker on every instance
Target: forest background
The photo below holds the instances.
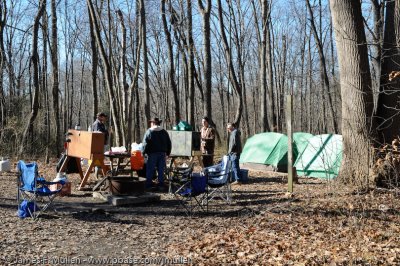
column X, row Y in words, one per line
column 63, row 61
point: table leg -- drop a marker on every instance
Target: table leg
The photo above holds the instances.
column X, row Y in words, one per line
column 86, row 176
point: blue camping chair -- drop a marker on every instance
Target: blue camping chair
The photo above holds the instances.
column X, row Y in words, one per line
column 218, row 180
column 189, row 188
column 34, row 195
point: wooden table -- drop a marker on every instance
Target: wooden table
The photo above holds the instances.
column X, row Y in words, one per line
column 117, row 166
column 120, row 164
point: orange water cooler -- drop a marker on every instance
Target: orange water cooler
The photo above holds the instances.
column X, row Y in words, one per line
column 137, row 160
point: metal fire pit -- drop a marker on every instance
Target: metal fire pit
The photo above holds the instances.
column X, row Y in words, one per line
column 126, row 185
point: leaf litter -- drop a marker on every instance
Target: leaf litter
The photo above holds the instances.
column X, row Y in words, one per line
column 321, row 223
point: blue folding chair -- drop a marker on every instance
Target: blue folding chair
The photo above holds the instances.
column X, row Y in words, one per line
column 34, row 195
column 218, row 180
column 189, row 188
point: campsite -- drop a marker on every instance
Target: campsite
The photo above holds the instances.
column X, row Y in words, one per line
column 206, row 132
column 320, row 224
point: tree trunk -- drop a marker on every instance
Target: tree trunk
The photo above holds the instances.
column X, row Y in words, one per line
column 357, row 99
column 206, row 12
column 126, row 95
column 265, row 126
column 238, row 42
column 36, row 85
column 232, row 75
column 388, row 108
column 43, row 87
column 95, row 63
column 376, row 47
column 190, row 50
column 55, row 75
column 108, row 76
column 143, row 35
column 171, row 65
column 323, row 71
column 3, row 61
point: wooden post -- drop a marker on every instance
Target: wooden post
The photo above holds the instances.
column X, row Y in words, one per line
column 289, row 113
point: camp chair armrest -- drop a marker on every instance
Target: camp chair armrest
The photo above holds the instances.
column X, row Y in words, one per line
column 61, row 182
column 41, row 180
column 214, row 175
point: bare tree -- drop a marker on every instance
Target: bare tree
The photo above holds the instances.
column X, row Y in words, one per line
column 355, row 82
column 388, row 110
column 232, row 75
column 3, row 62
column 95, row 63
column 322, row 65
column 55, row 75
column 266, row 107
column 109, row 78
column 205, row 11
column 171, row 63
column 191, row 68
column 36, row 85
column 143, row 35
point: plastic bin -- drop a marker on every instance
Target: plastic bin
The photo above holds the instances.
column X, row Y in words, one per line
column 245, row 175
column 5, row 165
column 65, row 191
column 184, row 126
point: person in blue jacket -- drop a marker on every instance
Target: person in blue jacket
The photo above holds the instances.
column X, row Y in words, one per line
column 157, row 146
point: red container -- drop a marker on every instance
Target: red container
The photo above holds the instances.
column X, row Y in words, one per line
column 137, row 160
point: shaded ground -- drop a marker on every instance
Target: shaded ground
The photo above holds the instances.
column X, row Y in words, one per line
column 322, row 223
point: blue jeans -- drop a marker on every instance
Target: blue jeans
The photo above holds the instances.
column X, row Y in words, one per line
column 156, row 159
column 237, row 175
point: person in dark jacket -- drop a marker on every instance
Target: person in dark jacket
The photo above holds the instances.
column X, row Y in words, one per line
column 99, row 125
column 157, row 146
column 234, row 151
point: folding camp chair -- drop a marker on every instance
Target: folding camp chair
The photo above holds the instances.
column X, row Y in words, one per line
column 34, row 195
column 177, row 176
column 218, row 180
column 189, row 188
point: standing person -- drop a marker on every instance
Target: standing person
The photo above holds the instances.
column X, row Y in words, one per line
column 157, row 146
column 99, row 126
column 234, row 150
column 207, row 142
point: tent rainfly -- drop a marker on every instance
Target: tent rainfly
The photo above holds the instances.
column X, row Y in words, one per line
column 268, row 151
column 321, row 158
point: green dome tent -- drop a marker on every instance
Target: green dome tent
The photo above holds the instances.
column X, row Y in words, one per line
column 321, row 158
column 268, row 151
column 300, row 140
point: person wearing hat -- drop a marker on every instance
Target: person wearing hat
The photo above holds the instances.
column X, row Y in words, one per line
column 157, row 146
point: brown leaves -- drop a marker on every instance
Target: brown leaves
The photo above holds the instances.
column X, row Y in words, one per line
column 324, row 224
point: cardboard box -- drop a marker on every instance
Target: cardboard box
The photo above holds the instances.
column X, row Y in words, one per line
column 65, row 191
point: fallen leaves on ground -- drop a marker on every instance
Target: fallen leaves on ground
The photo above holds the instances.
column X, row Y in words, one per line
column 321, row 223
